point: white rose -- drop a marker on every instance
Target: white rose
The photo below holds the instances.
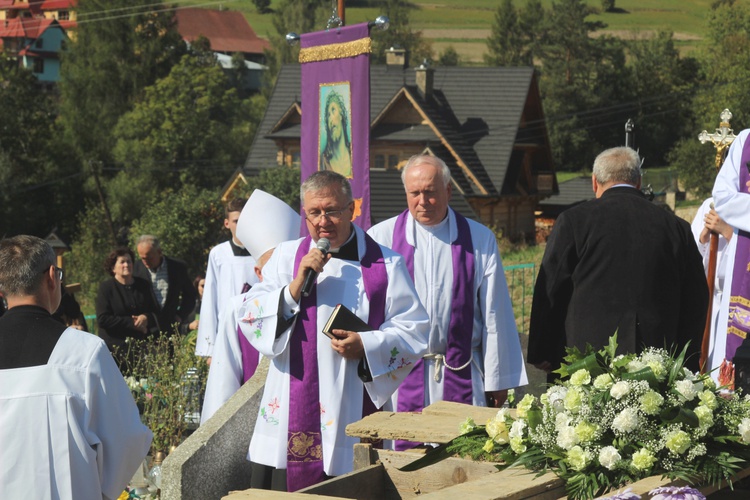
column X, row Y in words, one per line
column 609, row 456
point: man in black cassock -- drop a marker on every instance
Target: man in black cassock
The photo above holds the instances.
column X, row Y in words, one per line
column 618, row 263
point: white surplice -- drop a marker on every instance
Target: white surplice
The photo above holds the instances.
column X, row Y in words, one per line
column 734, row 208
column 226, row 275
column 391, row 351
column 496, row 349
column 69, row 429
column 714, row 357
column 226, row 372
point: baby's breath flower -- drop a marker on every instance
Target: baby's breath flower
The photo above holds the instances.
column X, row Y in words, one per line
column 620, row 389
column 578, row 458
column 678, row 441
column 581, row 377
column 651, row 402
column 643, row 459
column 609, row 456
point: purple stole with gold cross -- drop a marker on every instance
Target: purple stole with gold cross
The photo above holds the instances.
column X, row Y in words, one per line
column 305, row 444
column 456, row 383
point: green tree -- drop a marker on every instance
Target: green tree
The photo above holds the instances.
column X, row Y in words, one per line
column 108, row 63
column 38, row 175
column 449, row 57
column 532, row 26
column 400, row 34
column 262, row 6
column 608, row 5
column 282, row 182
column 505, row 45
column 190, row 128
column 186, row 221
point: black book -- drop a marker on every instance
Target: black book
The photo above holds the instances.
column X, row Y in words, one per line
column 343, row 319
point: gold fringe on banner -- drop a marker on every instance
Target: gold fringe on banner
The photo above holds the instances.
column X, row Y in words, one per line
column 336, row 51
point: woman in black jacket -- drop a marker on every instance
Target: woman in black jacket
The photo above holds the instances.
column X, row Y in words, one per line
column 125, row 308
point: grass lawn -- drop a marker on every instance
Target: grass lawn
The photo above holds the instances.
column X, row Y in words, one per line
column 465, row 24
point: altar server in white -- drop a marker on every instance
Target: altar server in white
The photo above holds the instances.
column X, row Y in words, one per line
column 316, row 385
column 265, row 222
column 69, row 427
column 230, row 272
column 459, row 277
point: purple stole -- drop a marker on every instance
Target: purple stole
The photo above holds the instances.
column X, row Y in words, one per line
column 304, row 444
column 250, row 355
column 456, row 384
column 739, row 299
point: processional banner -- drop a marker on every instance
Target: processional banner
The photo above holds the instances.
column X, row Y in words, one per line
column 336, row 109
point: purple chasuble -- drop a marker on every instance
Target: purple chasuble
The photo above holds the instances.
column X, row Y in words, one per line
column 456, row 384
column 739, row 300
column 305, row 444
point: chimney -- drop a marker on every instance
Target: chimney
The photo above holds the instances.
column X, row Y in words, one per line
column 395, row 57
column 425, row 76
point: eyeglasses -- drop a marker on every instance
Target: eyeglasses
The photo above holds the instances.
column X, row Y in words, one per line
column 59, row 271
column 315, row 216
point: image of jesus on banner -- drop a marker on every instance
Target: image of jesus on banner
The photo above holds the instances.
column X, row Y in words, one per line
column 335, row 131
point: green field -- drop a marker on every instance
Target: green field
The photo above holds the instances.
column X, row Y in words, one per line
column 465, row 24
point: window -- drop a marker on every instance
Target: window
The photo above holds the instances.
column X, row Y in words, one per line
column 63, row 15
column 379, row 161
column 38, row 65
column 392, row 161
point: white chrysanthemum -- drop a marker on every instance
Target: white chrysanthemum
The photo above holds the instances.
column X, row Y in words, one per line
column 744, row 430
column 620, row 389
column 705, row 416
column 516, row 430
column 562, row 420
column 687, row 389
column 556, row 397
column 609, row 456
column 626, row 421
column 567, row 438
column 578, row 458
column 635, row 365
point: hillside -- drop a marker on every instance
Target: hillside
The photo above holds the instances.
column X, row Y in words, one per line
column 465, row 24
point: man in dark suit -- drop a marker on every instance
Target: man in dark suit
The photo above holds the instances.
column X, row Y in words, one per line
column 617, row 263
column 169, row 280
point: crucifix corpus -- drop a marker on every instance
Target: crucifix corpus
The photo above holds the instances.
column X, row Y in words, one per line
column 721, row 139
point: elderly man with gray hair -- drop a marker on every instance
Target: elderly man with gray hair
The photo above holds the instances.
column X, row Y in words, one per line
column 69, row 427
column 618, row 263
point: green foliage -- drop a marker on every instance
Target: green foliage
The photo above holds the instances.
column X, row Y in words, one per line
column 695, row 162
column 262, row 5
column 187, row 223
column 282, row 182
column 504, row 45
column 108, row 63
column 166, row 380
column 449, row 57
column 400, row 34
column 608, row 5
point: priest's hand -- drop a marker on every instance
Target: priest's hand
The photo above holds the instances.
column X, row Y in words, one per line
column 716, row 224
column 314, row 260
column 348, row 344
column 496, row 398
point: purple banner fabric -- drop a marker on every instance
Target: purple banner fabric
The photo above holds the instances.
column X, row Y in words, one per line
column 304, row 445
column 250, row 356
column 739, row 300
column 456, row 384
column 336, row 109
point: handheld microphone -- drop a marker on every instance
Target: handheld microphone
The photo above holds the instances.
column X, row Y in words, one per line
column 323, row 245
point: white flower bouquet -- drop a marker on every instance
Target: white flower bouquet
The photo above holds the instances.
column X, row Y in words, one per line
column 613, row 420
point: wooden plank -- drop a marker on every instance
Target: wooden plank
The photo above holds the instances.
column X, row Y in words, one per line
column 444, row 474
column 480, row 414
column 510, row 484
column 407, row 426
column 363, row 484
column 273, row 495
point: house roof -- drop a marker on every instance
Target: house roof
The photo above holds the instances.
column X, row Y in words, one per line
column 25, row 27
column 572, row 192
column 58, row 4
column 228, row 31
column 471, row 121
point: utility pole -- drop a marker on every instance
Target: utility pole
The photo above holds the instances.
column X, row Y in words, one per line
column 107, row 213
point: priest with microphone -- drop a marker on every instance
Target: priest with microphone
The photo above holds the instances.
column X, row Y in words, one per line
column 316, row 386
